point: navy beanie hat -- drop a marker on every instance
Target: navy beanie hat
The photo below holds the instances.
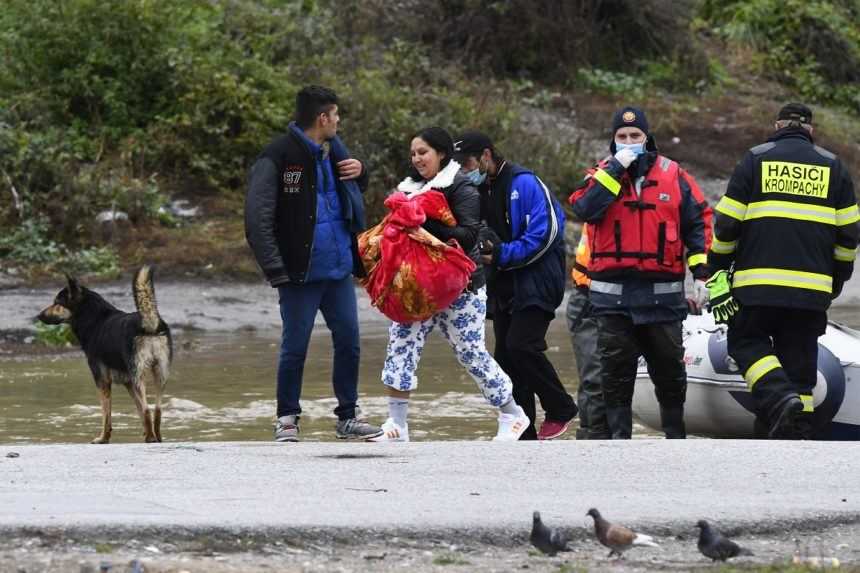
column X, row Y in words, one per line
column 629, row 117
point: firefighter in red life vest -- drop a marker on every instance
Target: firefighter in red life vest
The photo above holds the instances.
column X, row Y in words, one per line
column 647, row 218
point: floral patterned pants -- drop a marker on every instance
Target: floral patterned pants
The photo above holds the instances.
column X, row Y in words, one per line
column 462, row 325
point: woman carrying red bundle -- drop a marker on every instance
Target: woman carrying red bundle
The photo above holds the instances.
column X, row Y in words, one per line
column 411, row 274
column 462, row 322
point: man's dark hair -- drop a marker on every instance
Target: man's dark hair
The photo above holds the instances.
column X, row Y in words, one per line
column 438, row 139
column 311, row 101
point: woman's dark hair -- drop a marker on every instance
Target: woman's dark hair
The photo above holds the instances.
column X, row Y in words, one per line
column 438, row 139
column 311, row 101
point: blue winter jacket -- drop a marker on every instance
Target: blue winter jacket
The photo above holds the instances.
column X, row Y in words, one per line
column 529, row 263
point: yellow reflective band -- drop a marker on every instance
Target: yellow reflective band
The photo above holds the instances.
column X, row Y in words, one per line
column 782, row 277
column 723, row 247
column 760, row 368
column 843, row 254
column 699, row 259
column 847, row 215
column 790, row 210
column 732, row 208
column 607, row 181
column 795, row 179
column 808, row 403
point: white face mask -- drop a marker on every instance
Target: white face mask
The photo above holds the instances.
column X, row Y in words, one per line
column 476, row 177
column 637, row 148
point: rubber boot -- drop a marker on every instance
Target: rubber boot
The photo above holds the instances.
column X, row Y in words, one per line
column 672, row 420
column 782, row 417
column 620, row 420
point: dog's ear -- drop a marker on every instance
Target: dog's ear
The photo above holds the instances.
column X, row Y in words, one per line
column 74, row 287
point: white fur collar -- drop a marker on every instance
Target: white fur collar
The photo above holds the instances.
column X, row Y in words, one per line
column 443, row 179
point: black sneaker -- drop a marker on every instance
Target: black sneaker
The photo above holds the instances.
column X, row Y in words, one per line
column 783, row 417
column 287, row 429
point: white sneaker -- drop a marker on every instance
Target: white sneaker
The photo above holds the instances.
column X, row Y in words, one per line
column 511, row 426
column 391, row 432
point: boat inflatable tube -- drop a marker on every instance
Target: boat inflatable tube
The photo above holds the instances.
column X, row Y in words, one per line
column 719, row 404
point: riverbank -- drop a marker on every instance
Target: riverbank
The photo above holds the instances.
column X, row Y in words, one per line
column 212, row 306
column 353, row 507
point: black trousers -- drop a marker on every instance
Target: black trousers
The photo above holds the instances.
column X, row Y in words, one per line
column 621, row 343
column 758, row 334
column 520, row 351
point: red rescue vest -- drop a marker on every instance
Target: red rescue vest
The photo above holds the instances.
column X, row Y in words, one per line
column 641, row 232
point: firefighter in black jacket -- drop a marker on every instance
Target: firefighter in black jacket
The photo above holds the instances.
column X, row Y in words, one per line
column 784, row 244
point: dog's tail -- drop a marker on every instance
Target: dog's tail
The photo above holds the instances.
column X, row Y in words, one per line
column 144, row 299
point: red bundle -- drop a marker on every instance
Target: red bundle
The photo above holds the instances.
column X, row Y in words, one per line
column 412, row 275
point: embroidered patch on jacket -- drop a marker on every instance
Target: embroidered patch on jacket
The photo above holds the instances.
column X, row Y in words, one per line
column 515, row 195
column 293, row 179
column 795, row 179
column 664, row 197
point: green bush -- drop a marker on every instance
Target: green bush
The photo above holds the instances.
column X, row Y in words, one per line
column 813, row 46
column 30, row 244
column 119, row 105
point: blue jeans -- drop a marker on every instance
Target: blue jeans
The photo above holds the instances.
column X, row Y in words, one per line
column 299, row 305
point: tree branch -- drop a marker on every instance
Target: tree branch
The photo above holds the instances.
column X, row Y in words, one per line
column 19, row 206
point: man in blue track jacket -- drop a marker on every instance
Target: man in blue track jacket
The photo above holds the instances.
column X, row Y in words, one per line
column 523, row 250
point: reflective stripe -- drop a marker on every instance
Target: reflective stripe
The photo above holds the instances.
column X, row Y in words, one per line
column 843, row 254
column 760, row 368
column 732, row 208
column 607, row 181
column 666, row 288
column 698, row 259
column 607, row 288
column 723, row 247
column 791, row 210
column 808, row 403
column 847, row 215
column 782, row 277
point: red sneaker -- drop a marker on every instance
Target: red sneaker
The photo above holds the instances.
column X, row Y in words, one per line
column 551, row 429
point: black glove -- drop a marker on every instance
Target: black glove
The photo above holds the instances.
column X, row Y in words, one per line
column 487, row 234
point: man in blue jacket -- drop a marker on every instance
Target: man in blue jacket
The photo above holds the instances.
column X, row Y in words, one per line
column 302, row 212
column 523, row 250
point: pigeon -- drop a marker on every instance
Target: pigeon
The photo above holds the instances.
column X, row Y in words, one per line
column 712, row 544
column 548, row 541
column 617, row 537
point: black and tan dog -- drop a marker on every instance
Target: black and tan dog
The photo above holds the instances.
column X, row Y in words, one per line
column 128, row 348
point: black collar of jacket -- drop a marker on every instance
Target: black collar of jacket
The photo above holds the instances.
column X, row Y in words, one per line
column 791, row 132
column 642, row 165
column 497, row 202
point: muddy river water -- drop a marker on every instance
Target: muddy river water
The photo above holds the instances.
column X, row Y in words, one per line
column 222, row 387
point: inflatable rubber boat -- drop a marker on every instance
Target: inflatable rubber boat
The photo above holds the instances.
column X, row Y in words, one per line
column 719, row 404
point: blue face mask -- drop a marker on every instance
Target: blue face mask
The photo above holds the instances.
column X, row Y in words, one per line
column 637, row 148
column 475, row 176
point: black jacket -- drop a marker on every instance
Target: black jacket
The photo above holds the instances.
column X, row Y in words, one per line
column 788, row 224
column 465, row 204
column 281, row 207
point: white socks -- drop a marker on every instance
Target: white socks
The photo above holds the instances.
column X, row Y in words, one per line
column 510, row 407
column 398, row 409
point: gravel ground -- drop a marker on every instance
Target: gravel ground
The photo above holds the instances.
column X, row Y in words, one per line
column 49, row 550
